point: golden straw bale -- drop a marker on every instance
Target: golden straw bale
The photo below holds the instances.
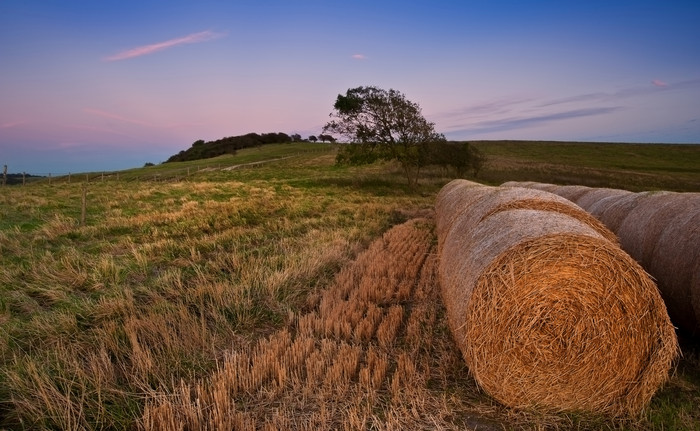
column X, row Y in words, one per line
column 550, row 314
column 571, row 193
column 484, row 201
column 525, row 184
column 675, row 261
column 451, row 201
column 641, row 228
column 593, row 195
column 531, row 185
column 613, row 210
column 545, row 201
column 543, row 186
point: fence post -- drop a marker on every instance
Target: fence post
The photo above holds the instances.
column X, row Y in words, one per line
column 68, row 177
column 103, row 177
column 83, row 209
column 4, row 175
column 24, row 175
column 49, row 178
column 87, row 178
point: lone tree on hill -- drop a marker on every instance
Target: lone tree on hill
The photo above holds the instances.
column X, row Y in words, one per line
column 383, row 125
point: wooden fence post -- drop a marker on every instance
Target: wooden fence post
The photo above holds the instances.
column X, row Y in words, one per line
column 83, row 209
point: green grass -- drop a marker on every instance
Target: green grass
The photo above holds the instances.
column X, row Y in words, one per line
column 630, row 166
column 172, row 270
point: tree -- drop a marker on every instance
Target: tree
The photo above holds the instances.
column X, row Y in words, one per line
column 462, row 156
column 325, row 138
column 383, row 125
column 313, row 138
column 296, row 137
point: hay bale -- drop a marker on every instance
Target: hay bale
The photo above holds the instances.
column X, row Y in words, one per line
column 593, row 195
column 550, row 314
column 675, row 263
column 641, row 228
column 483, row 201
column 613, row 210
column 503, row 199
column 571, row 193
column 452, row 200
column 543, row 186
column 524, row 184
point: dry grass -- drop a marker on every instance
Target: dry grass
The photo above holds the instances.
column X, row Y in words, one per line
column 360, row 358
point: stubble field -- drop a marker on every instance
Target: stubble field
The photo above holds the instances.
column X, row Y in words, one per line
column 291, row 294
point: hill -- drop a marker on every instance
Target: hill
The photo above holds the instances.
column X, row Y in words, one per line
column 222, row 289
column 229, row 145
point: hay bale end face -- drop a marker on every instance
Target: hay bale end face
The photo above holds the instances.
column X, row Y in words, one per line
column 549, row 314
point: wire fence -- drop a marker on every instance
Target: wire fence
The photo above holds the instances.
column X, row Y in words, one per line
column 160, row 172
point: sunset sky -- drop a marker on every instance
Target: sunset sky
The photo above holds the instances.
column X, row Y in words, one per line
column 109, row 85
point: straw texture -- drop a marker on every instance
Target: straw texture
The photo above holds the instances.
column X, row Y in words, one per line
column 547, row 312
column 661, row 230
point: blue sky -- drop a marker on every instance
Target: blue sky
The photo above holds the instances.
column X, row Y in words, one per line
column 108, row 85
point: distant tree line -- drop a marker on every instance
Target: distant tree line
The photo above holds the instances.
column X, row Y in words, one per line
column 15, row 179
column 229, row 145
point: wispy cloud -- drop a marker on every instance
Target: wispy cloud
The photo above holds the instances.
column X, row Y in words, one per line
column 111, row 116
column 521, row 122
column 359, row 57
column 659, row 83
column 11, row 124
column 202, row 36
column 487, row 108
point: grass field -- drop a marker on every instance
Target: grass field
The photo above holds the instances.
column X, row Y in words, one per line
column 269, row 296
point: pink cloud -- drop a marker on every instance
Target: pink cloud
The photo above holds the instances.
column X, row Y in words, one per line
column 111, row 116
column 659, row 83
column 11, row 124
column 359, row 57
column 202, row 36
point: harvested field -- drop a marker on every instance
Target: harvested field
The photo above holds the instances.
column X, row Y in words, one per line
column 548, row 313
column 365, row 346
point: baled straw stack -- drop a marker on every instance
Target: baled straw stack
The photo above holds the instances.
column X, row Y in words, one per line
column 451, row 205
column 451, row 200
column 550, row 314
column 571, row 193
column 675, row 263
column 661, row 230
column 592, row 196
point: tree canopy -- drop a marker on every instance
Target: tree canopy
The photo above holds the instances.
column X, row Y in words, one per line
column 229, row 145
column 383, row 125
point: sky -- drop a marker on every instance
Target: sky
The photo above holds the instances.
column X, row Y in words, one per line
column 110, row 85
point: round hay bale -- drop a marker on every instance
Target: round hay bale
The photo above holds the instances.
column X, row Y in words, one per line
column 641, row 228
column 525, row 184
column 613, row 210
column 519, row 198
column 549, row 314
column 543, row 186
column 675, row 263
column 571, row 193
column 485, row 201
column 451, row 201
column 592, row 196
